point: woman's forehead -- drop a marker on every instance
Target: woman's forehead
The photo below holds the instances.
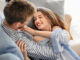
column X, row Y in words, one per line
column 38, row 14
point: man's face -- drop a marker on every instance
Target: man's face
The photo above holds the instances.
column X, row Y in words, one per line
column 21, row 25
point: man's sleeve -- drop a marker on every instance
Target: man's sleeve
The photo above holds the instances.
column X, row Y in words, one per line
column 9, row 56
column 8, row 49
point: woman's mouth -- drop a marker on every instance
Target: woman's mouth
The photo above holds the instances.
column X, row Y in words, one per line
column 38, row 25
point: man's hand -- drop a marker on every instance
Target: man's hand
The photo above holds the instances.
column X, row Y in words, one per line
column 22, row 47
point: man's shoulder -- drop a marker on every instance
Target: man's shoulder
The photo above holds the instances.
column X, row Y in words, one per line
column 4, row 38
column 7, row 45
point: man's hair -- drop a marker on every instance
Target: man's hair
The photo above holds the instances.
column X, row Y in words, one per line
column 7, row 0
column 18, row 11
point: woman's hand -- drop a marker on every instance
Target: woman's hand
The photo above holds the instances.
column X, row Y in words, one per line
column 30, row 30
column 22, row 47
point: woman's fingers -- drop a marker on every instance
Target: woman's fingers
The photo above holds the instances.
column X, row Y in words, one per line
column 30, row 30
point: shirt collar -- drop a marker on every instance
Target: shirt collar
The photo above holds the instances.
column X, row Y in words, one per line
column 9, row 30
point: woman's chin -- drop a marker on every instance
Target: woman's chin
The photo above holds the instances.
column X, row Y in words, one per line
column 41, row 28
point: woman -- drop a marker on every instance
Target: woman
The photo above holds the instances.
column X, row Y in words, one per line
column 53, row 30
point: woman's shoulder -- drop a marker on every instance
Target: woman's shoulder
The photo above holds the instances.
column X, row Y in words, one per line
column 58, row 30
column 60, row 34
column 55, row 28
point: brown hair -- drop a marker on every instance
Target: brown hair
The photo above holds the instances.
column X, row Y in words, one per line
column 18, row 11
column 55, row 20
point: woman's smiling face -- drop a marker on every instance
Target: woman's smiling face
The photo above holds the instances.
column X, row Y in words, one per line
column 41, row 21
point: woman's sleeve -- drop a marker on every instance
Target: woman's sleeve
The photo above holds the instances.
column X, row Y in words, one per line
column 59, row 38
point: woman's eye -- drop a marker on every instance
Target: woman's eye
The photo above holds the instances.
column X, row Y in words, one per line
column 35, row 19
column 40, row 17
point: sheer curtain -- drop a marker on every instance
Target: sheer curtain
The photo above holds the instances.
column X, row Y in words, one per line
column 72, row 7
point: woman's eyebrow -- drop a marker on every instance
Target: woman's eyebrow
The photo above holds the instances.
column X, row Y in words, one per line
column 39, row 15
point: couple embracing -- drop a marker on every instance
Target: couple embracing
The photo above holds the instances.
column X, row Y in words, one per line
column 48, row 41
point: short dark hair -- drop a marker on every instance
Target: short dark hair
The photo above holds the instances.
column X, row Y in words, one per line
column 18, row 11
column 7, row 0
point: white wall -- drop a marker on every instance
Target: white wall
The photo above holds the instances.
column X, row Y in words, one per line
column 2, row 4
column 72, row 7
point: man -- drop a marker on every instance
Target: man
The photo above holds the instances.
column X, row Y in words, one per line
column 8, row 49
column 17, row 14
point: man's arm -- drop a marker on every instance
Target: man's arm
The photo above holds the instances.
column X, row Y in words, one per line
column 8, row 49
column 9, row 56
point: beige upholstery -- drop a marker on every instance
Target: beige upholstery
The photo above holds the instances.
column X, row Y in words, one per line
column 76, row 48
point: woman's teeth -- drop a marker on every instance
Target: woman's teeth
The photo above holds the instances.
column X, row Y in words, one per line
column 38, row 24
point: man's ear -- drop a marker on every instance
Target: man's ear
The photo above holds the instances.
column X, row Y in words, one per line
column 17, row 24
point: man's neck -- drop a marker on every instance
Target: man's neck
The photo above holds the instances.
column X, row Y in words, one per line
column 9, row 26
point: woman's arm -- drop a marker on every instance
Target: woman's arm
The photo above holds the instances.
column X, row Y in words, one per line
column 57, row 36
column 46, row 34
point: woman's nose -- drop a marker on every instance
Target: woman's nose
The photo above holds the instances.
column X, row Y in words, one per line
column 37, row 21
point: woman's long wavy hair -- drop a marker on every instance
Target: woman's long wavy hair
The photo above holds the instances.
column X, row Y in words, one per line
column 55, row 20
